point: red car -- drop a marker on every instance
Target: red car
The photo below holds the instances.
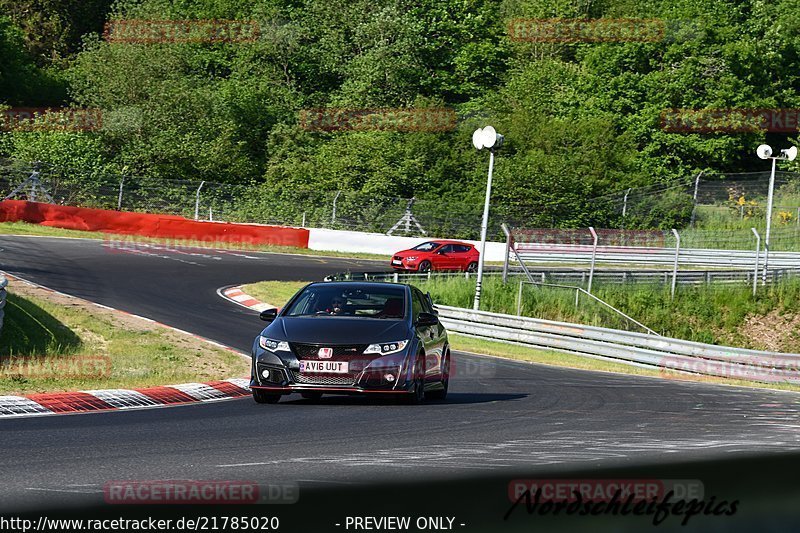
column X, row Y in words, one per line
column 438, row 255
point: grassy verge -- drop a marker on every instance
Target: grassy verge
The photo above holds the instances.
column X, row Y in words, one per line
column 553, row 358
column 53, row 343
column 725, row 314
column 23, row 228
column 274, row 291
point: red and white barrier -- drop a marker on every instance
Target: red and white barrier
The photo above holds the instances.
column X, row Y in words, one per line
column 161, row 226
column 330, row 240
column 175, row 227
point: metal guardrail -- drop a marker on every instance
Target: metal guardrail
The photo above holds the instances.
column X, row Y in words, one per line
column 3, row 285
column 638, row 349
column 578, row 275
column 715, row 258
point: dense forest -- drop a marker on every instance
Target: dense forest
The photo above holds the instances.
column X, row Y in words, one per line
column 580, row 119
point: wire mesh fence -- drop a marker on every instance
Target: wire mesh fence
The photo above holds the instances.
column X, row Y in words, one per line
column 716, row 210
column 786, row 238
column 710, row 200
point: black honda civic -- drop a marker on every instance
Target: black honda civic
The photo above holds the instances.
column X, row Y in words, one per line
column 352, row 338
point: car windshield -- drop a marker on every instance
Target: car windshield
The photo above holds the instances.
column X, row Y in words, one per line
column 426, row 246
column 335, row 300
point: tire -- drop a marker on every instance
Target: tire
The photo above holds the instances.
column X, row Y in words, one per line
column 472, row 267
column 261, row 396
column 417, row 396
column 425, row 266
column 441, row 394
column 313, row 396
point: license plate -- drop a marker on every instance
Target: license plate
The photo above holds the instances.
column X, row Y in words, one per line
column 396, row 262
column 327, row 367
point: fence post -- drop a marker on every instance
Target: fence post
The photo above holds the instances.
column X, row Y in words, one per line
column 696, row 189
column 197, row 202
column 519, row 299
column 675, row 266
column 594, row 255
column 625, row 203
column 119, row 199
column 508, row 252
column 333, row 214
column 303, row 225
column 758, row 251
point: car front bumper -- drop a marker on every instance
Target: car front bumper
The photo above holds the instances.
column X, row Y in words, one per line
column 282, row 378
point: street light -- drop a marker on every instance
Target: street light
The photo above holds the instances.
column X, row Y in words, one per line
column 485, row 138
column 764, row 151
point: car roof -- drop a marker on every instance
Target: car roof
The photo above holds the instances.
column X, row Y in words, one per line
column 365, row 284
column 446, row 241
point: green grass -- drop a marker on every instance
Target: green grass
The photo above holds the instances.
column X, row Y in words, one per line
column 713, row 314
column 276, row 293
column 716, row 314
column 47, row 346
column 24, row 228
column 548, row 357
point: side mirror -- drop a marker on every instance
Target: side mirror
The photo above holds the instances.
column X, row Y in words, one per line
column 268, row 315
column 427, row 319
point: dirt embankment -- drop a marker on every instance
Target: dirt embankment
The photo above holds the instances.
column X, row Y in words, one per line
column 774, row 331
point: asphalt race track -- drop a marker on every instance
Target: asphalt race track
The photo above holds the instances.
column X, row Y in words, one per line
column 501, row 416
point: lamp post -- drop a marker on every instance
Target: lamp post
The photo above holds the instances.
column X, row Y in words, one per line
column 764, row 151
column 485, row 138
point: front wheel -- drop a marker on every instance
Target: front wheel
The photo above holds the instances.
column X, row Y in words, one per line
column 425, row 266
column 472, row 267
column 261, row 396
column 417, row 395
column 441, row 394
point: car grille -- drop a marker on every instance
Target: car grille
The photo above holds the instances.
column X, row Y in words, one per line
column 323, row 379
column 340, row 353
column 353, row 353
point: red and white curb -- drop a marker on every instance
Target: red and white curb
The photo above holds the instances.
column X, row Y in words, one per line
column 239, row 297
column 51, row 403
column 118, row 399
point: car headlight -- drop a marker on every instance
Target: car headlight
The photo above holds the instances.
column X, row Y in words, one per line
column 412, row 258
column 386, row 348
column 273, row 345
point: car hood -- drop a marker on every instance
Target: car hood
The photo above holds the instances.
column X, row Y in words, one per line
column 337, row 330
column 406, row 253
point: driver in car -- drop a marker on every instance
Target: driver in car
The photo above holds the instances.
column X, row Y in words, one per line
column 336, row 306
